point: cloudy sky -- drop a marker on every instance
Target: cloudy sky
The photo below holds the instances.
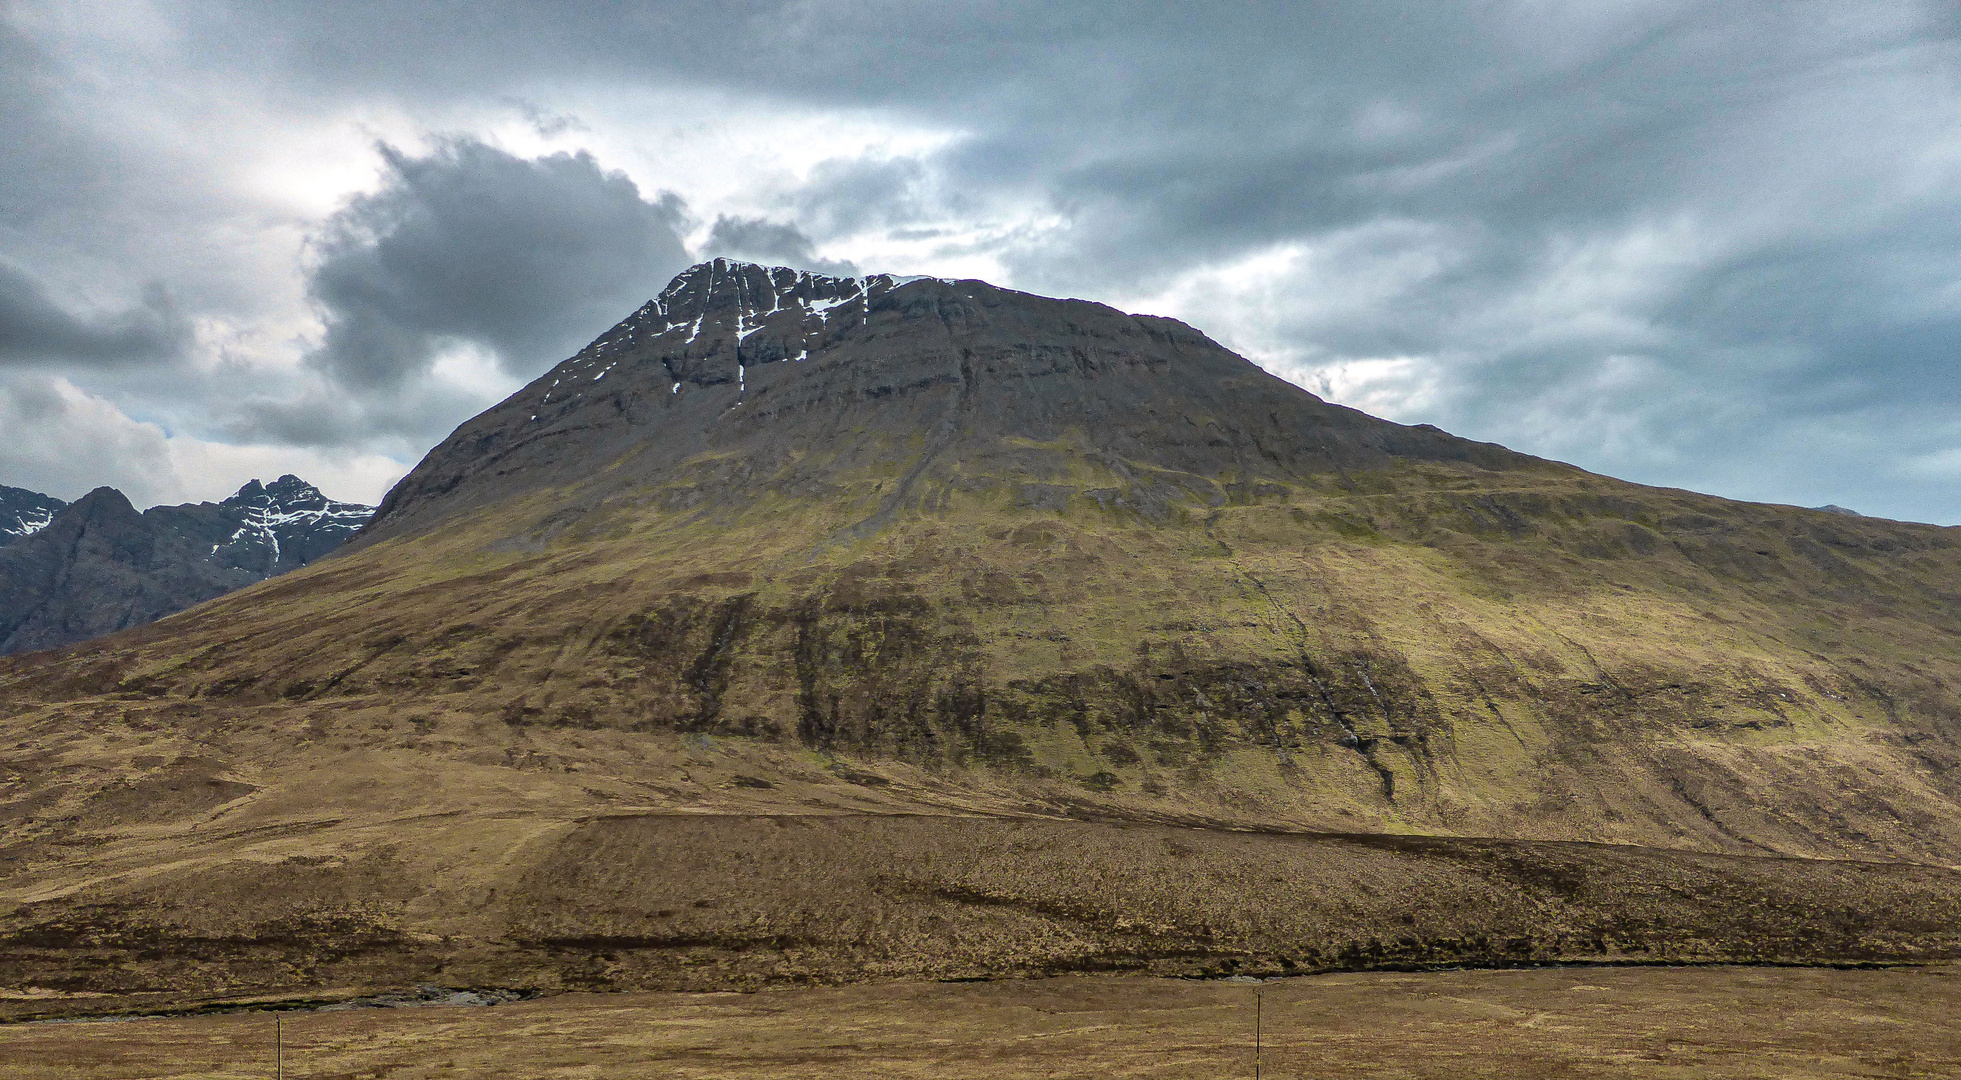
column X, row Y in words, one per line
column 1713, row 245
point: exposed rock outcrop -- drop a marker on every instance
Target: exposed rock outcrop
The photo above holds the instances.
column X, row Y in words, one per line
column 24, row 512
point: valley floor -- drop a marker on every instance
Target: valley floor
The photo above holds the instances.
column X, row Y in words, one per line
column 1641, row 1022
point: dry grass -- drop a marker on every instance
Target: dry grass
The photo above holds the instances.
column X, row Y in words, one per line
column 1638, row 1023
column 544, row 898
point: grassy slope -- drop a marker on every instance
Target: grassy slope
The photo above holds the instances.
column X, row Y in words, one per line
column 368, row 759
column 1563, row 656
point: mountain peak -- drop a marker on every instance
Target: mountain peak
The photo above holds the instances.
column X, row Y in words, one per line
column 788, row 545
column 104, row 499
column 287, row 494
column 774, row 379
column 719, row 306
column 252, row 492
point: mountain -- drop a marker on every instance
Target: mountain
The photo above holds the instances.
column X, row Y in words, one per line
column 740, row 383
column 804, row 628
column 97, row 566
column 23, row 512
column 279, row 526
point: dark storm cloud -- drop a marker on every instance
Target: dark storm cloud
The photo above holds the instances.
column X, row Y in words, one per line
column 36, row 329
column 769, row 242
column 45, row 166
column 529, row 259
column 1171, row 134
column 404, row 421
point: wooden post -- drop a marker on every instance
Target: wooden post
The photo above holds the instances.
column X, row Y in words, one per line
column 1259, row 1007
column 279, row 1046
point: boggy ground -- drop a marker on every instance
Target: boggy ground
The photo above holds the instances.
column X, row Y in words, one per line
column 687, row 901
column 1714, row 1022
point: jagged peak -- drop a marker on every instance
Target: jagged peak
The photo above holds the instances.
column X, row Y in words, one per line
column 719, row 282
column 284, row 489
column 289, row 488
column 722, row 299
column 288, row 495
column 730, row 271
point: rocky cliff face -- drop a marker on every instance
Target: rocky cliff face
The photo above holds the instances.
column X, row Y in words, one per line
column 740, row 383
column 24, row 512
column 276, row 527
column 97, row 566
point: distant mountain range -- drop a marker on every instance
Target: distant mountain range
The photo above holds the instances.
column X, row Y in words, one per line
column 73, row 571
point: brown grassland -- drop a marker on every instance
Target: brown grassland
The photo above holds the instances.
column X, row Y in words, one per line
column 1636, row 1023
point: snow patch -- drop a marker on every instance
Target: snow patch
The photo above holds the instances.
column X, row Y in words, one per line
column 31, row 522
column 822, row 308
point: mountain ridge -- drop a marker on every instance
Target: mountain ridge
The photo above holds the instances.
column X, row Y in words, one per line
column 97, row 565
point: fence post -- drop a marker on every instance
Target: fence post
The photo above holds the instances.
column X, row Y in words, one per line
column 1259, row 1008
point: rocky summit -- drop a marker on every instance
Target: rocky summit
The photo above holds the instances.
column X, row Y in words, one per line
column 741, row 383
column 804, row 628
column 77, row 571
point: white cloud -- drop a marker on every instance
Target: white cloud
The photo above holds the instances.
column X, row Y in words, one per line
column 66, row 442
column 1280, row 307
column 1938, row 465
column 725, row 153
column 1403, row 388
